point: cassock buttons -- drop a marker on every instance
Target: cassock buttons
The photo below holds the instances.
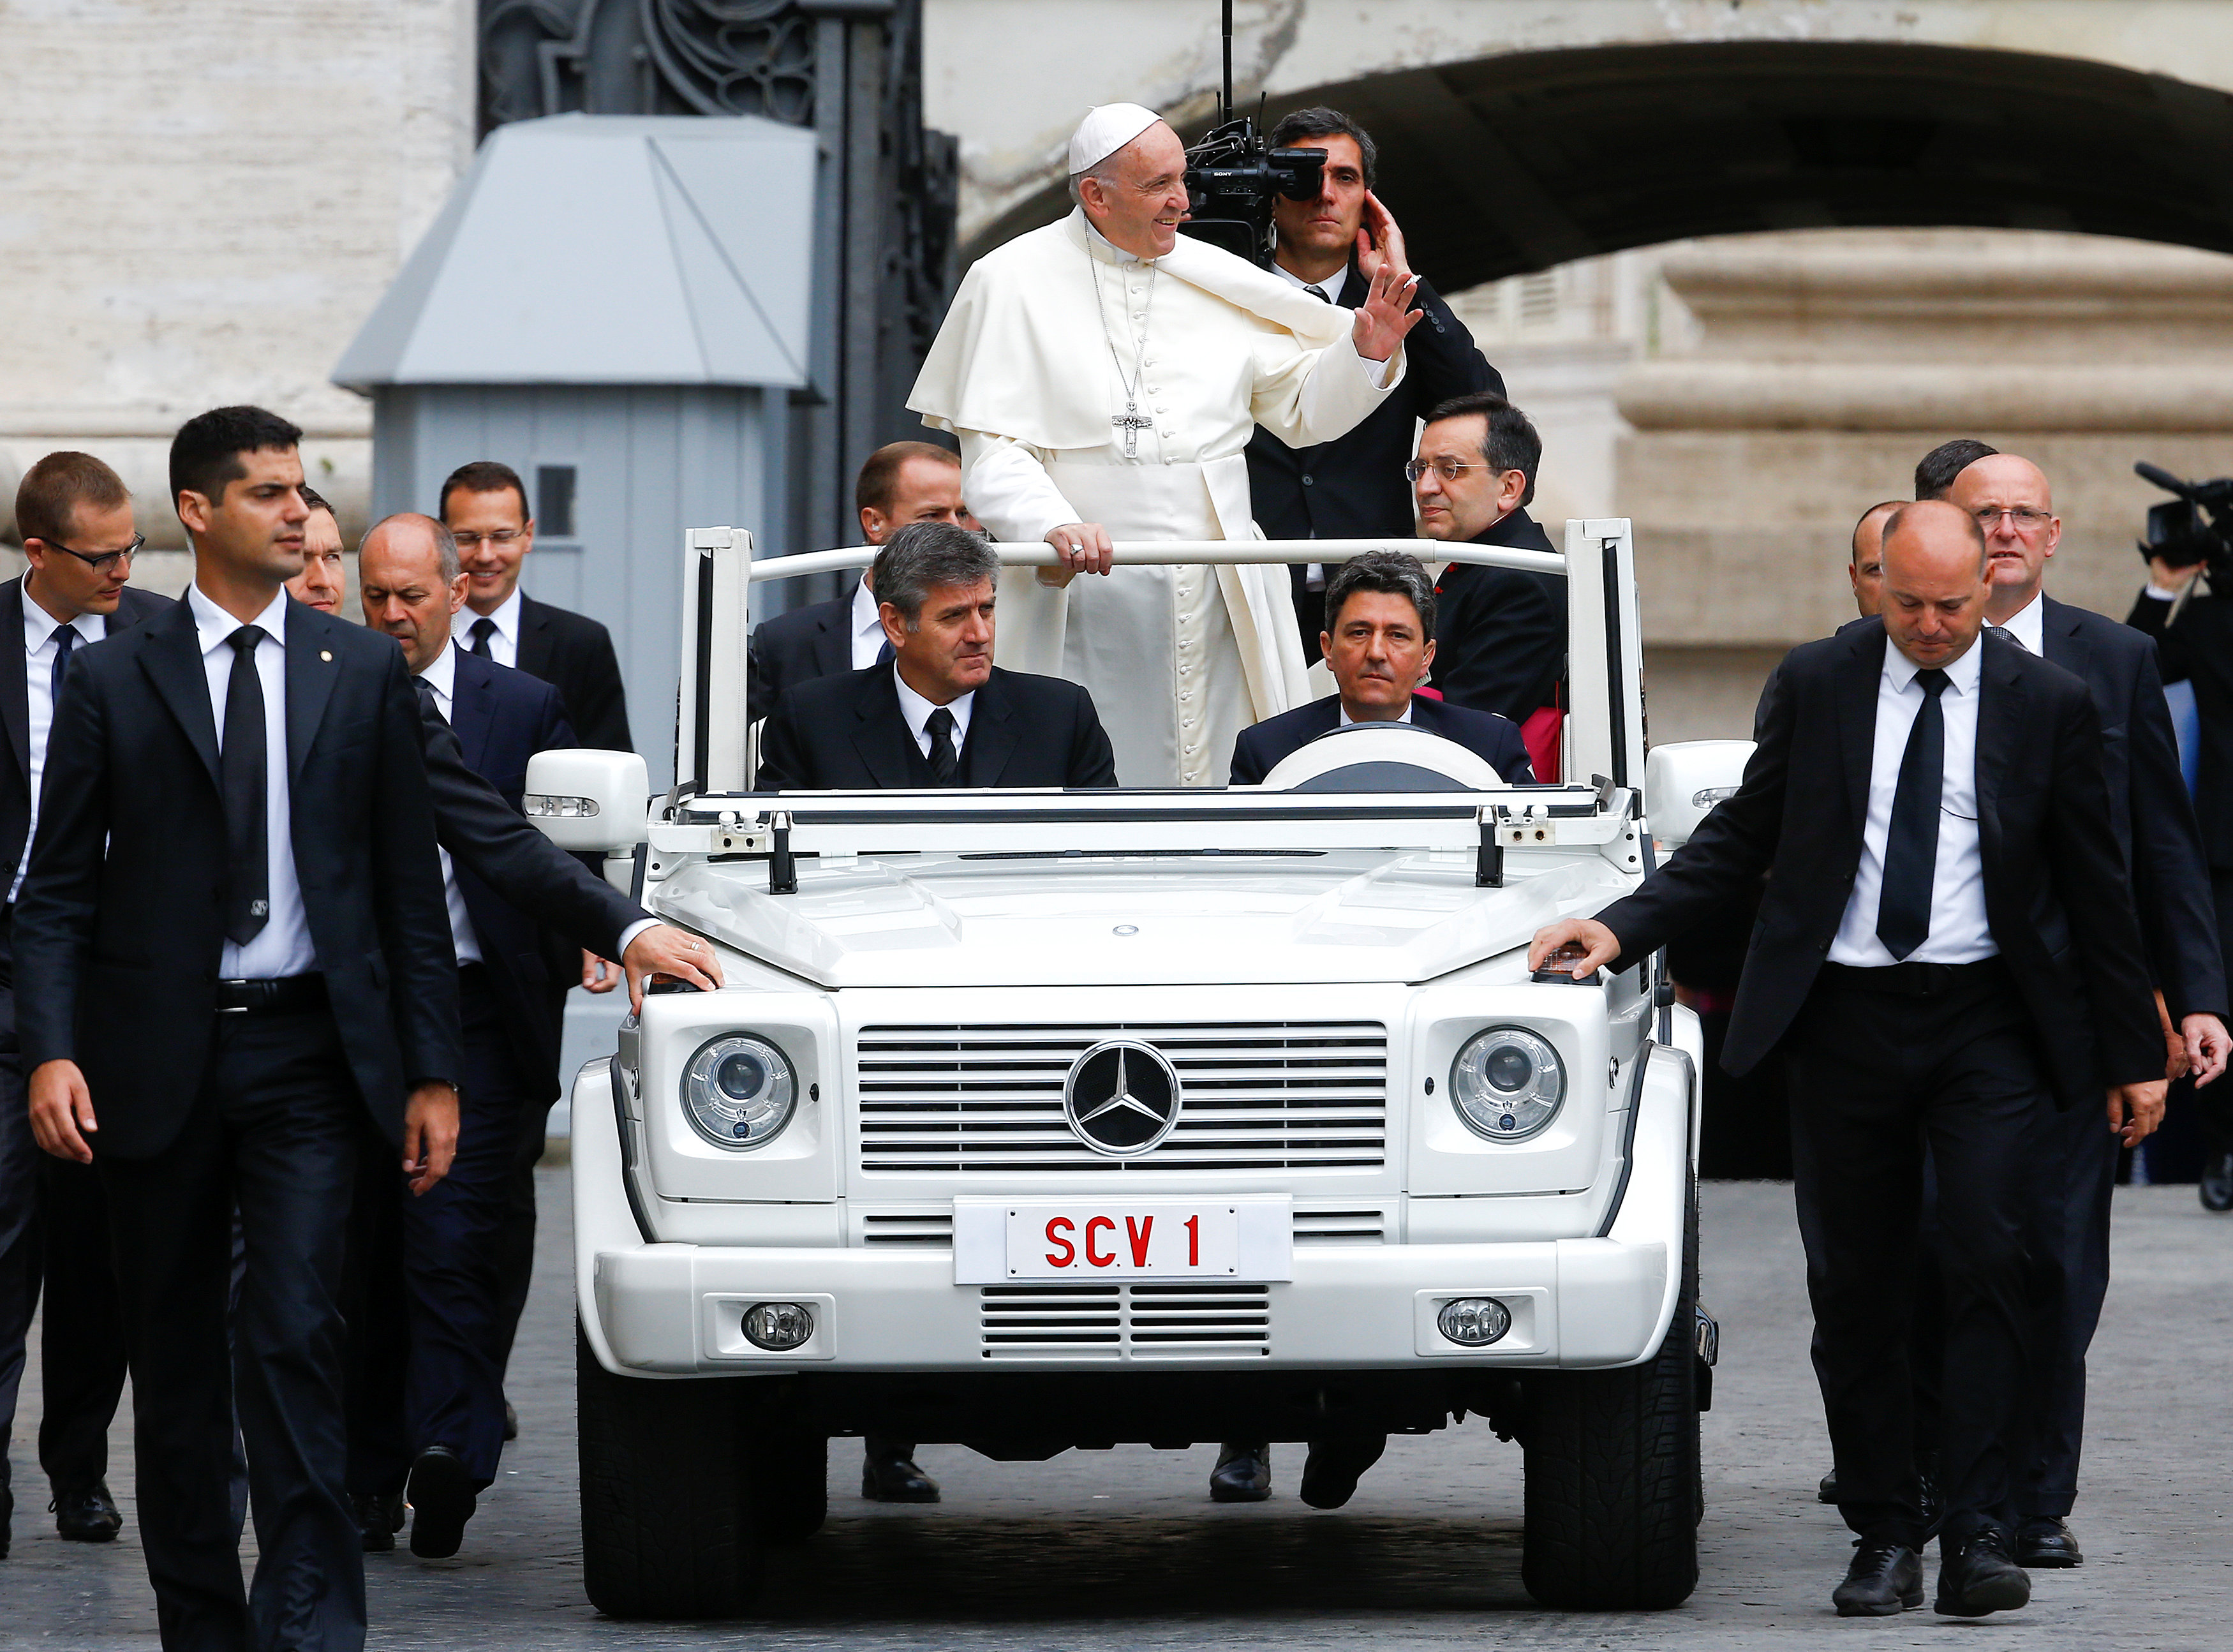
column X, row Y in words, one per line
column 325, row 654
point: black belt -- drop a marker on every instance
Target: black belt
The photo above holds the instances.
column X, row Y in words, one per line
column 1914, row 980
column 279, row 995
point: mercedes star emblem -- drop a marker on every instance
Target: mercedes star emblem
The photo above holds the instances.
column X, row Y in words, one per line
column 1122, row 1098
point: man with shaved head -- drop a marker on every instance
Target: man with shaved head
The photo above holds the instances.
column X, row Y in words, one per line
column 1948, row 944
column 2074, row 1163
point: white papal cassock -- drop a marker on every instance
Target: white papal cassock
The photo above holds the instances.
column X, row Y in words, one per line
column 1178, row 660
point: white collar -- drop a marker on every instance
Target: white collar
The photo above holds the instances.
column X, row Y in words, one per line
column 916, row 710
column 865, row 611
column 39, row 626
column 215, row 627
column 2028, row 624
column 441, row 673
column 506, row 617
column 1102, row 247
column 1332, row 287
column 1962, row 674
column 1346, row 720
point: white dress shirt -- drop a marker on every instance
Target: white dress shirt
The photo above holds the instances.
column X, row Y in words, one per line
column 39, row 628
column 282, row 946
column 1960, row 933
column 504, row 641
column 441, row 676
column 2028, row 625
column 1346, row 720
column 868, row 629
column 1330, row 290
column 917, row 710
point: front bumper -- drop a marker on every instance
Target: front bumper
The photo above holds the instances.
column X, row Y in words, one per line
column 675, row 1310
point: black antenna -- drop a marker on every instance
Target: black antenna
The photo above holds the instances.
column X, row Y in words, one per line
column 1228, row 116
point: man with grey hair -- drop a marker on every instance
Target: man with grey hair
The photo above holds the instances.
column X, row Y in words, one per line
column 940, row 714
column 1379, row 642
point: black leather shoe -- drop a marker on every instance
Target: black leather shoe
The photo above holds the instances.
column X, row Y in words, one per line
column 1243, row 1475
column 1827, row 1491
column 1332, row 1471
column 892, row 1477
column 2048, row 1545
column 87, row 1514
column 2216, row 1185
column 1980, row 1577
column 442, row 1501
column 1884, row 1581
column 378, row 1519
column 511, row 1421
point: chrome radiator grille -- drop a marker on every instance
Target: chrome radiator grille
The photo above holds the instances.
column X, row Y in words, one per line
column 1134, row 1322
column 1258, row 1095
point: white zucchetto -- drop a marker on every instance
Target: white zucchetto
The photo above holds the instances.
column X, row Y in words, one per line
column 1105, row 131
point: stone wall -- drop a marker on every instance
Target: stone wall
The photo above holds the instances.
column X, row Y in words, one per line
column 202, row 202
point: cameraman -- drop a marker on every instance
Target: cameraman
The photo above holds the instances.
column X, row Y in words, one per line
column 1352, row 488
column 2194, row 644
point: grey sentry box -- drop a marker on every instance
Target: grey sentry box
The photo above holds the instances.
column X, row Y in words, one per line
column 617, row 307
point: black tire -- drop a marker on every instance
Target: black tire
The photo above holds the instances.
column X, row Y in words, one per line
column 1614, row 1492
column 791, row 1484
column 666, row 1527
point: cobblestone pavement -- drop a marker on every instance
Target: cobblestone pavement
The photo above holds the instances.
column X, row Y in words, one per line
column 1022, row 1555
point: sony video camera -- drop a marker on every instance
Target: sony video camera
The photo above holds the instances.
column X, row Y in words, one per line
column 2194, row 529
column 1232, row 177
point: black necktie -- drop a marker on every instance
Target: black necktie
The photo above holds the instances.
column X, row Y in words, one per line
column 944, row 763
column 1318, row 293
column 483, row 628
column 427, row 696
column 241, row 766
column 1911, row 861
column 65, row 640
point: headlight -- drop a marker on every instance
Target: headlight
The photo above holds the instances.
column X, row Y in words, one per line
column 739, row 1091
column 1507, row 1083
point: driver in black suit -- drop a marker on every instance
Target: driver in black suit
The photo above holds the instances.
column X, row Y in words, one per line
column 1378, row 642
column 941, row 713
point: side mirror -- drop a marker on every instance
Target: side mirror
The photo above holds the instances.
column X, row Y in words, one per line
column 587, row 801
column 1682, row 782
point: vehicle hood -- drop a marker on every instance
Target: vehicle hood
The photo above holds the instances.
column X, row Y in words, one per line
column 971, row 920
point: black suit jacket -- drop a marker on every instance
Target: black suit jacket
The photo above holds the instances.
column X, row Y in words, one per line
column 2148, row 806
column 1353, row 487
column 137, row 607
column 123, row 914
column 788, row 649
column 2199, row 649
column 2055, row 892
column 1500, row 635
column 574, row 654
column 489, row 837
column 847, row 734
column 503, row 718
column 1492, row 739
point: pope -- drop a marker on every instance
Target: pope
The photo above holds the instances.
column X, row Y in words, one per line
column 1104, row 375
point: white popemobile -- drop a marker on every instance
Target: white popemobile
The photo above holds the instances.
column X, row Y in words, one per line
column 1041, row 1121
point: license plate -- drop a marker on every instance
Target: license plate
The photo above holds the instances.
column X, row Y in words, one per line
column 1000, row 1240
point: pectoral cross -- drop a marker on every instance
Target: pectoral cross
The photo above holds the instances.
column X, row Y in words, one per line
column 1132, row 421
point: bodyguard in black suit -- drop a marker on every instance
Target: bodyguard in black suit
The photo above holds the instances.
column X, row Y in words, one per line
column 484, row 504
column 2073, row 1161
column 411, row 583
column 1947, row 944
column 1351, row 488
column 1379, row 642
column 75, row 519
column 1501, row 634
column 899, row 482
column 236, row 842
column 941, row 713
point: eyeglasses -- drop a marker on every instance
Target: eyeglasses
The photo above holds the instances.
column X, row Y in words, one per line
column 501, row 537
column 1448, row 469
column 2022, row 518
column 100, row 561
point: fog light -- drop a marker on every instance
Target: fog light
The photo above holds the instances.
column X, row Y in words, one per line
column 780, row 1326
column 1474, row 1322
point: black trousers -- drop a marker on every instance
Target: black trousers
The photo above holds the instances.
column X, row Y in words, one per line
column 81, row 1360
column 1876, row 1077
column 2213, row 1104
column 274, row 1130
column 22, row 1246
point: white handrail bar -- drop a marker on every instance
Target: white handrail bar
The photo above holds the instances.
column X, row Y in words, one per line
column 1131, row 552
